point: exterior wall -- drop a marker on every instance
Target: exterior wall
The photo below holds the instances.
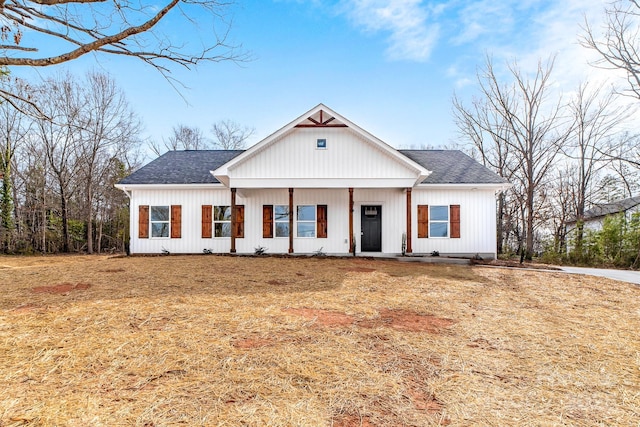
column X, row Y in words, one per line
column 477, row 222
column 347, row 156
column 191, row 201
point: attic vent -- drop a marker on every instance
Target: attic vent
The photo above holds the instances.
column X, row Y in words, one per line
column 371, row 211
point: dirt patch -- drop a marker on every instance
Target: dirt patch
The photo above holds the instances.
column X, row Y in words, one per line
column 323, row 317
column 61, row 288
column 409, row 321
column 352, row 421
column 277, row 282
column 248, row 343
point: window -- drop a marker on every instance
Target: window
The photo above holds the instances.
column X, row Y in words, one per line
column 281, row 220
column 306, row 221
column 160, row 216
column 222, row 221
column 164, row 221
column 439, row 221
column 321, row 144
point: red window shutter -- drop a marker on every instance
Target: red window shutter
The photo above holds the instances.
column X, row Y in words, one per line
column 454, row 220
column 207, row 221
column 240, row 221
column 176, row 221
column 423, row 221
column 267, row 221
column 143, row 222
column 321, row 219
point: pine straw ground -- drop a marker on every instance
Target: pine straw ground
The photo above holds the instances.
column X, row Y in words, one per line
column 230, row 341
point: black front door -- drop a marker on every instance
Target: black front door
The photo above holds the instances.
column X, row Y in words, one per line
column 371, row 223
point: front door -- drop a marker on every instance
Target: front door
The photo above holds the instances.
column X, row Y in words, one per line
column 371, row 233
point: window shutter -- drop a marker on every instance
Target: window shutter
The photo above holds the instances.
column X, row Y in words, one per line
column 423, row 220
column 240, row 221
column 176, row 221
column 143, row 222
column 321, row 218
column 267, row 221
column 207, row 221
column 454, row 219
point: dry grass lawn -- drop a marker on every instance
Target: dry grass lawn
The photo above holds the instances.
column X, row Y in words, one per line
column 231, row 341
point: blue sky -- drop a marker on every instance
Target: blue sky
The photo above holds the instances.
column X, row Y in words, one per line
column 389, row 66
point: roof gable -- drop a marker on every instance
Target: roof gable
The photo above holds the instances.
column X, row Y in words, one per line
column 321, row 119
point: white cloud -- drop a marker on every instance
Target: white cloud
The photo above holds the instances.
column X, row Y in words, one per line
column 410, row 35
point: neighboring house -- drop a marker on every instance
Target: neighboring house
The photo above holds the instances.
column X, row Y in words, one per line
column 594, row 217
column 320, row 182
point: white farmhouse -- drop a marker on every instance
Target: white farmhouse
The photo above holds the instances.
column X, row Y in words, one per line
column 320, row 182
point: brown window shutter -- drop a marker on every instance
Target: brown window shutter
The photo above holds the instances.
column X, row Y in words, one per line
column 207, row 221
column 240, row 221
column 454, row 220
column 143, row 222
column 321, row 219
column 176, row 221
column 267, row 221
column 423, row 221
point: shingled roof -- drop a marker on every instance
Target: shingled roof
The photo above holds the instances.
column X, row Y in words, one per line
column 182, row 167
column 193, row 166
column 612, row 208
column 452, row 167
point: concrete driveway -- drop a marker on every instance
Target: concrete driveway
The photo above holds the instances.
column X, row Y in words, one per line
column 621, row 275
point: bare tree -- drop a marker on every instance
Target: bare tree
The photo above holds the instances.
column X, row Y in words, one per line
column 619, row 46
column 107, row 129
column 533, row 128
column 60, row 101
column 70, row 29
column 183, row 138
column 230, row 135
column 483, row 127
column 597, row 120
column 14, row 128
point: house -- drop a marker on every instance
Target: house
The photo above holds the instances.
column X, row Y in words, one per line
column 594, row 217
column 319, row 183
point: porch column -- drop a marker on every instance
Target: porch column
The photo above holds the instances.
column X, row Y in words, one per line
column 291, row 220
column 233, row 221
column 351, row 242
column 408, row 248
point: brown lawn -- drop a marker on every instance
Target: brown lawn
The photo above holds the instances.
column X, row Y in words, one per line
column 217, row 340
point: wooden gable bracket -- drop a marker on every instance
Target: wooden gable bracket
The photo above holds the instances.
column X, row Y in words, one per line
column 321, row 122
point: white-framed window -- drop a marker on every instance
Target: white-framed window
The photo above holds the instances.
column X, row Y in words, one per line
column 222, row 221
column 438, row 221
column 306, row 221
column 160, row 221
column 281, row 220
column 321, row 144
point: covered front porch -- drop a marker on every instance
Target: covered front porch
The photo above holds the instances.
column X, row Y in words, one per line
column 335, row 221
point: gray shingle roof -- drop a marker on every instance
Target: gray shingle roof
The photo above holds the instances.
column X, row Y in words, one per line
column 452, row 167
column 193, row 166
column 611, row 208
column 182, row 167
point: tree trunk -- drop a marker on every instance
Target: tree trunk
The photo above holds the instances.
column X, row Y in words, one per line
column 65, row 222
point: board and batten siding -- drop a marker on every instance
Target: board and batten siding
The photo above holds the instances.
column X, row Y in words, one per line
column 477, row 221
column 394, row 216
column 336, row 200
column 191, row 201
column 347, row 156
